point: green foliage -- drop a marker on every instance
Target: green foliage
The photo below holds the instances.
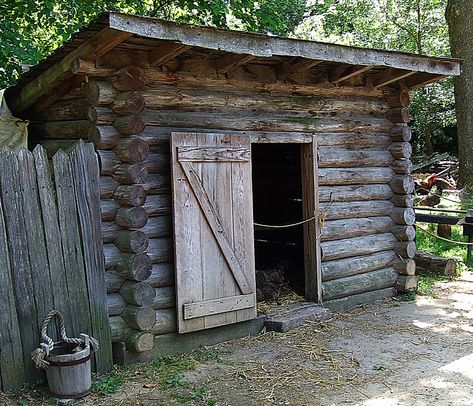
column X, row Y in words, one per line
column 109, row 383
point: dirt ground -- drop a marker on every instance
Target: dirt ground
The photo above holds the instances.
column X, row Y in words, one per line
column 389, row 353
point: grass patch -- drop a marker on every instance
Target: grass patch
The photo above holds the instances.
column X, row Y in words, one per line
column 107, row 384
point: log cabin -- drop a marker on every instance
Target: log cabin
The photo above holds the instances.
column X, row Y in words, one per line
column 207, row 136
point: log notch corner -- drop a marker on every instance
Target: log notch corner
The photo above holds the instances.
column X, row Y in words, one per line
column 402, row 186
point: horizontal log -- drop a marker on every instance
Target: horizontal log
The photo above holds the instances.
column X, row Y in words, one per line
column 260, row 121
column 401, row 99
column 160, row 250
column 352, row 285
column 137, row 293
column 331, row 157
column 351, row 142
column 407, row 283
column 405, row 267
column 401, row 133
column 335, row 211
column 356, row 246
column 63, row 110
column 437, row 219
column 109, row 231
column 127, row 174
column 113, row 281
column 406, row 249
column 398, row 115
column 135, row 267
column 132, row 241
column 158, row 162
column 402, row 184
column 355, row 227
column 160, row 226
column 107, row 187
column 341, row 268
column 167, row 97
column 164, row 298
column 131, row 217
column 402, row 166
column 353, row 301
column 354, row 193
column 108, row 208
column 129, row 195
column 131, row 102
column 63, row 130
column 433, row 263
column 118, row 328
column 166, row 321
column 131, row 150
column 402, row 200
column 108, row 162
column 99, row 93
column 136, row 341
column 128, row 125
column 403, row 216
column 161, row 275
column 400, row 150
column 353, row 176
column 139, row 318
column 106, row 137
column 115, row 304
column 157, row 183
column 157, row 205
column 404, row 233
column 129, row 78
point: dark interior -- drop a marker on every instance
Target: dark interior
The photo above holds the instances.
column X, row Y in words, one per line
column 277, row 199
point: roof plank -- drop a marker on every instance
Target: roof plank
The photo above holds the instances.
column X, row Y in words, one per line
column 229, row 62
column 285, row 71
column 164, row 53
column 261, row 45
column 343, row 72
column 390, row 76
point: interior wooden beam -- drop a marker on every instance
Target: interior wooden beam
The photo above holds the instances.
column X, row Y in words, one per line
column 422, row 79
column 390, row 76
column 344, row 72
column 47, row 81
column 229, row 62
column 164, row 53
column 284, row 70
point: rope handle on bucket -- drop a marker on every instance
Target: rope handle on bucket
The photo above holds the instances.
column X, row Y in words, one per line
column 39, row 354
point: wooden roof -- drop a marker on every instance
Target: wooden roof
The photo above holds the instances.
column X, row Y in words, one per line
column 164, row 40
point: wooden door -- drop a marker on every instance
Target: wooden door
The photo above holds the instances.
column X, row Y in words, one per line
column 213, row 225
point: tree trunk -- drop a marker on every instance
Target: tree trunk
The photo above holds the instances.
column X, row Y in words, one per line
column 459, row 15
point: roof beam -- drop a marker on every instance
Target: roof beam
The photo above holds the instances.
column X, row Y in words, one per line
column 285, row 71
column 342, row 73
column 390, row 76
column 164, row 53
column 229, row 62
column 261, row 45
column 423, row 79
column 47, row 81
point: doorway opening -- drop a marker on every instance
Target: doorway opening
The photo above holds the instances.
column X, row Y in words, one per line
column 277, row 200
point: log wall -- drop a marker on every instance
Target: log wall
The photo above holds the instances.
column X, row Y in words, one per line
column 364, row 183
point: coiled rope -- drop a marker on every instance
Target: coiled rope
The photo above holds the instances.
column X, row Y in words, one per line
column 39, row 354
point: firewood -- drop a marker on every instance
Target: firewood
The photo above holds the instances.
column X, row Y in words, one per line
column 426, row 262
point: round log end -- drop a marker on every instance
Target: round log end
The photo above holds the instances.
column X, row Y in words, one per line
column 130, row 195
column 139, row 341
column 139, row 318
column 131, row 217
column 135, row 267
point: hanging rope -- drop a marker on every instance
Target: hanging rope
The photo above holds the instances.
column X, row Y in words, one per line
column 39, row 355
column 442, row 238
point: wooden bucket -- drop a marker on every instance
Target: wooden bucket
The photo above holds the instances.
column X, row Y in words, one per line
column 69, row 371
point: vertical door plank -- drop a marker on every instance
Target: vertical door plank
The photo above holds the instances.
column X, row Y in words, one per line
column 188, row 261
column 310, row 206
column 243, row 231
column 19, row 260
column 86, row 175
column 12, row 373
column 76, row 285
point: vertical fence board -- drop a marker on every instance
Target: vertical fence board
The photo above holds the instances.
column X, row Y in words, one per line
column 11, row 354
column 86, row 173
column 69, row 228
column 19, row 260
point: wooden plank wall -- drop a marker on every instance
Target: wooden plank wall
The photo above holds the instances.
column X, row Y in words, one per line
column 363, row 161
column 50, row 258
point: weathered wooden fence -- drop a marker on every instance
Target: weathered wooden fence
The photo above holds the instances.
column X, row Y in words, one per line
column 50, row 254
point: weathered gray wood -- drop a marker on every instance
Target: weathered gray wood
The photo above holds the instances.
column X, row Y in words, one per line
column 401, row 150
column 23, row 286
column 107, row 187
column 139, row 318
column 406, row 283
column 133, row 241
column 12, row 372
column 113, row 281
column 166, row 321
column 353, row 301
column 99, row 93
column 356, row 246
column 335, row 211
column 405, row 267
column 137, row 293
column 291, row 318
column 131, row 217
column 63, row 110
column 129, row 195
column 108, row 208
column 401, row 133
column 136, row 341
column 342, row 268
column 63, row 130
column 160, row 250
column 402, row 166
column 115, row 304
column 433, row 263
column 406, row 249
column 355, row 227
column 400, row 200
column 106, row 137
column 353, row 176
column 331, row 157
column 158, row 227
column 354, row 193
column 128, row 125
column 128, row 103
column 129, row 78
column 85, row 170
column 161, row 275
column 403, row 216
column 402, row 184
column 130, row 266
column 365, row 282
column 164, row 297
column 404, row 233
column 132, row 150
column 217, row 306
column 348, row 141
column 157, row 205
column 129, row 174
